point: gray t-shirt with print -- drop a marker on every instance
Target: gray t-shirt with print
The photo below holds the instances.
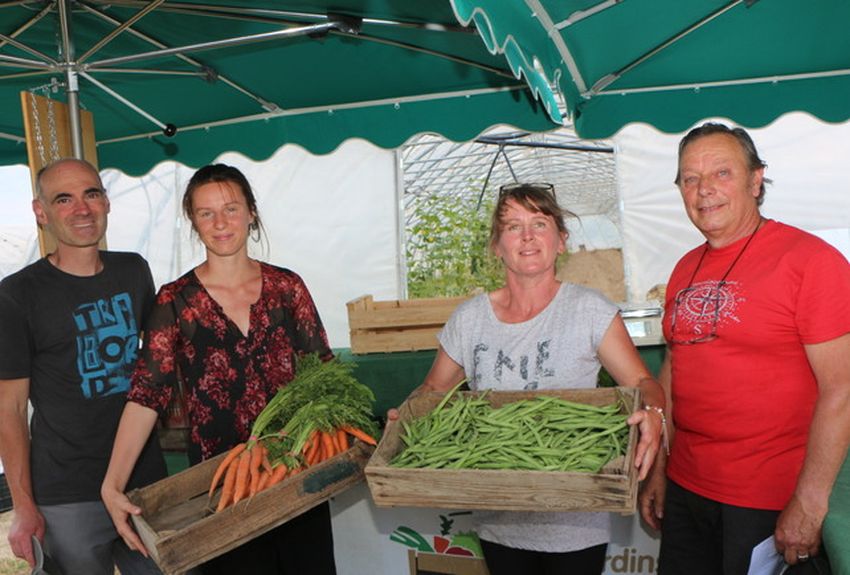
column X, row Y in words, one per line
column 554, row 350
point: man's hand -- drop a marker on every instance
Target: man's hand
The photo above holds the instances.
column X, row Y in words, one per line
column 651, row 496
column 798, row 530
column 26, row 523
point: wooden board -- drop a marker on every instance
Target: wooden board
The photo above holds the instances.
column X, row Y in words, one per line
column 364, row 313
column 397, row 325
column 55, row 138
column 385, row 341
column 614, row 489
column 420, row 563
column 180, row 529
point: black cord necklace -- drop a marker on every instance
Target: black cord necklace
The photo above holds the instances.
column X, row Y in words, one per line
column 722, row 280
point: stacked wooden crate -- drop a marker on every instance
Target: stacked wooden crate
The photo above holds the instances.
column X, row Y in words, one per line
column 397, row 325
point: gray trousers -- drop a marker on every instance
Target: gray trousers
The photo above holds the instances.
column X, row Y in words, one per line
column 81, row 540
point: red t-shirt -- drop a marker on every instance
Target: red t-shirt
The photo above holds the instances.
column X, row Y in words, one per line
column 743, row 402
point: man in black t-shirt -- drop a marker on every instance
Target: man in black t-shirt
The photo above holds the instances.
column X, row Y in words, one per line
column 69, row 336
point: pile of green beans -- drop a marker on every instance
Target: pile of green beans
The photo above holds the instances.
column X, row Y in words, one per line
column 545, row 433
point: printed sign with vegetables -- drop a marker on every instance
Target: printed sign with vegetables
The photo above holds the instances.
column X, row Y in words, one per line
column 464, row 544
column 311, row 419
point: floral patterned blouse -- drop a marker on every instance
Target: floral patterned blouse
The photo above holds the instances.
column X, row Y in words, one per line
column 227, row 377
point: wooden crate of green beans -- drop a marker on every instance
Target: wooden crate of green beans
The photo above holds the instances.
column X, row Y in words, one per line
column 559, row 450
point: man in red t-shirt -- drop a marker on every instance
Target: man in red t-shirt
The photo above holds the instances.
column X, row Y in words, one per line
column 757, row 372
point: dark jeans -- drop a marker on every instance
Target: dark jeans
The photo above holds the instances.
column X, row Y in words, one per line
column 502, row 560
column 700, row 536
column 301, row 546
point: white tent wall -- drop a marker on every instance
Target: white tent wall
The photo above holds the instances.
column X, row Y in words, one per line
column 145, row 217
column 807, row 161
column 332, row 219
column 18, row 234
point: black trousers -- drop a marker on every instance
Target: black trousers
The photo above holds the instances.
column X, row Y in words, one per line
column 700, row 536
column 502, row 560
column 301, row 546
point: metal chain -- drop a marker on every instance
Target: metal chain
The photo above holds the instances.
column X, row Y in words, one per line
column 54, row 137
column 36, row 124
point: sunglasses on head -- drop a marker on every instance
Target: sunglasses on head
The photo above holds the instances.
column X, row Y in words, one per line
column 543, row 187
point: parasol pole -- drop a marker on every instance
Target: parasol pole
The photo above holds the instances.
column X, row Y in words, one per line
column 72, row 87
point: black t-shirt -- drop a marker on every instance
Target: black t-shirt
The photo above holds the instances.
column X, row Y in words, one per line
column 77, row 339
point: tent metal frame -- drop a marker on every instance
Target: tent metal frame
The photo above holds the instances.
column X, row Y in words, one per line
column 583, row 172
column 293, row 24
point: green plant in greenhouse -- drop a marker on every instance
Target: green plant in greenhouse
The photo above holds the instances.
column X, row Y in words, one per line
column 447, row 247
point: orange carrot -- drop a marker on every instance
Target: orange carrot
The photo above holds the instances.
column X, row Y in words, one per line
column 278, row 473
column 341, row 440
column 265, row 478
column 261, row 450
column 254, row 467
column 317, row 439
column 313, row 456
column 360, row 434
column 222, row 467
column 229, row 484
column 335, row 441
column 241, row 487
column 262, row 482
column 322, row 452
column 328, row 445
column 312, row 446
column 332, row 435
column 267, row 465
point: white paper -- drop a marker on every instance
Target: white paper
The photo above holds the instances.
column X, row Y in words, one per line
column 766, row 560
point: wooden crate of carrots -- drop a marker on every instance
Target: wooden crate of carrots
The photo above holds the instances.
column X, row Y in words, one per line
column 529, row 486
column 307, row 445
column 181, row 529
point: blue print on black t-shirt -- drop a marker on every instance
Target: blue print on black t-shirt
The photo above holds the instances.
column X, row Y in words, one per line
column 107, row 340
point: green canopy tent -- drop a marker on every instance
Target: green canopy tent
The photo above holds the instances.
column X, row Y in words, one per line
column 670, row 63
column 189, row 80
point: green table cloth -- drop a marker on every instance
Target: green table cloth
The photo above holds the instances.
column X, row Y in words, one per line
column 391, row 376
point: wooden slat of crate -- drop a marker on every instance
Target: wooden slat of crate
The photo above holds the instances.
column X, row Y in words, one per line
column 448, row 564
column 385, row 341
column 365, row 313
column 397, row 325
column 180, row 529
column 614, row 489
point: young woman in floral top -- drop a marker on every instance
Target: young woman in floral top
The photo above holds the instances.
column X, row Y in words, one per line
column 230, row 332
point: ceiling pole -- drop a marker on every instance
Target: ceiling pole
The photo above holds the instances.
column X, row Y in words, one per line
column 72, row 87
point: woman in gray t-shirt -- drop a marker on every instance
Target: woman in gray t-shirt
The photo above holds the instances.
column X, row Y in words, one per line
column 539, row 333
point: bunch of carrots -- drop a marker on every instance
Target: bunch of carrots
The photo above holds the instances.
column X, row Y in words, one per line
column 323, row 445
column 310, row 420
